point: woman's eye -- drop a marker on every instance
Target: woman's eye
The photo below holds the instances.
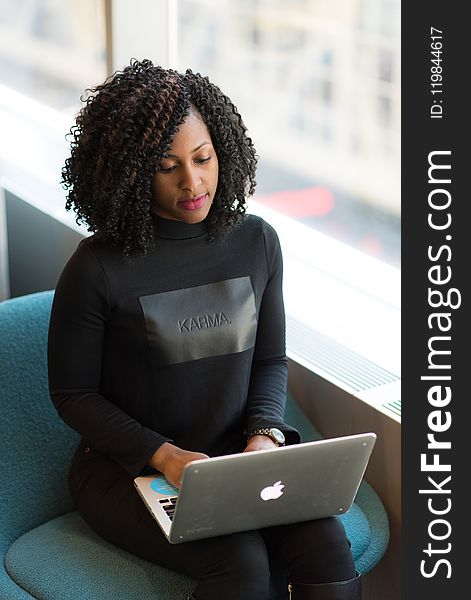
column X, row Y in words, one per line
column 199, row 161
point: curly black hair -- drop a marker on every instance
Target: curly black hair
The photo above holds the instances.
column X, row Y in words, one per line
column 120, row 137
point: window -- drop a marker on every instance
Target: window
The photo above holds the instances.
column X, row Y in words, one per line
column 51, row 50
column 317, row 83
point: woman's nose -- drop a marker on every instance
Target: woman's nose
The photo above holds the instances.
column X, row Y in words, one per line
column 190, row 179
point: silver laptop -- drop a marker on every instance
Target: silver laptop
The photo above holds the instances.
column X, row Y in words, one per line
column 252, row 490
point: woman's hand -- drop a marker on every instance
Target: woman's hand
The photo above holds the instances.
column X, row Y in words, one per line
column 260, row 442
column 171, row 460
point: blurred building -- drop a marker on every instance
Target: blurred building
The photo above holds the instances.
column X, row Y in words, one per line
column 318, row 85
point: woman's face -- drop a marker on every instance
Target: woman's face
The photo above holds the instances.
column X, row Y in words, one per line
column 183, row 188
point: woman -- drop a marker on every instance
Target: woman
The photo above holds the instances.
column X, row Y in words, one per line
column 166, row 340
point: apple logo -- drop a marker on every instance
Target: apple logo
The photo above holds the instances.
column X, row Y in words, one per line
column 272, row 492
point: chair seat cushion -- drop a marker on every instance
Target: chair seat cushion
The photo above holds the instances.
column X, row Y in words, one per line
column 64, row 558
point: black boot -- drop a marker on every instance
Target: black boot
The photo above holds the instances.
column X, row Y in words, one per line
column 338, row 590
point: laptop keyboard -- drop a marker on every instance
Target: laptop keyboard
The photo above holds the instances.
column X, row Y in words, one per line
column 168, row 504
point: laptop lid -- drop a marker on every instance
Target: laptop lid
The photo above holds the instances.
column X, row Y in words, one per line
column 252, row 490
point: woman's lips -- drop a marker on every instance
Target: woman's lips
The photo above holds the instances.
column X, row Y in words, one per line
column 194, row 203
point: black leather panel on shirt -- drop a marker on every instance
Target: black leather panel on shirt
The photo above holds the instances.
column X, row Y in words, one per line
column 199, row 322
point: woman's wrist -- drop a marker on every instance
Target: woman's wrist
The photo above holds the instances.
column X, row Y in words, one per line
column 160, row 457
column 261, row 442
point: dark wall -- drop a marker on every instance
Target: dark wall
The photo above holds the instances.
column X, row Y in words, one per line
column 38, row 247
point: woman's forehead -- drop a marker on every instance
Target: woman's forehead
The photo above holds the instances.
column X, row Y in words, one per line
column 191, row 135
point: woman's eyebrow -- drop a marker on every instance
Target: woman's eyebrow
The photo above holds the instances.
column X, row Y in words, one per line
column 197, row 148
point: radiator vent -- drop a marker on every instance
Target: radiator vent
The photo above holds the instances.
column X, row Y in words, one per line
column 394, row 407
column 334, row 359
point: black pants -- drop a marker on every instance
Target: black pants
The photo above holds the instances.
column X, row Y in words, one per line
column 232, row 567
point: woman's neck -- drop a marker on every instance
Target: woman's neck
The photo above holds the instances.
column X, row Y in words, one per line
column 177, row 230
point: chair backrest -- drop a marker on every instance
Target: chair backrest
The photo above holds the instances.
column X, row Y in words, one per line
column 35, row 445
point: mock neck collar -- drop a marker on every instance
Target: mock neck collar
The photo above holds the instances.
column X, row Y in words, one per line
column 177, row 230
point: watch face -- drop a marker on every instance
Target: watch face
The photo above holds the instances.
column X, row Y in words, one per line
column 277, row 435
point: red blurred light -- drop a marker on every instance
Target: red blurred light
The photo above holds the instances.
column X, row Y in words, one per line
column 315, row 201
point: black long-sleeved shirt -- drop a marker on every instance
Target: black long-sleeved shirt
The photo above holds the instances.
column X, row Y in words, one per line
column 185, row 345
